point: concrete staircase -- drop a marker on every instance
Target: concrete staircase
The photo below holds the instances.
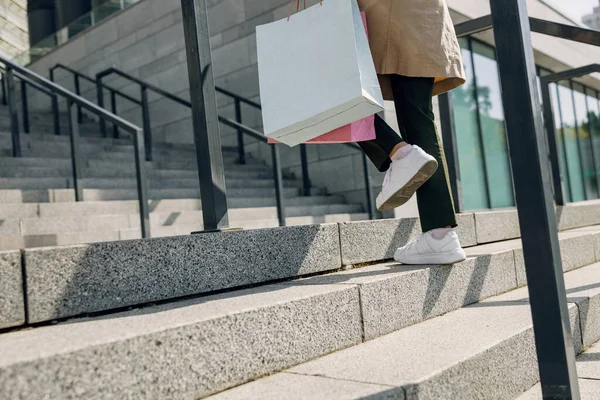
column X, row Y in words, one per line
column 308, row 312
column 37, row 205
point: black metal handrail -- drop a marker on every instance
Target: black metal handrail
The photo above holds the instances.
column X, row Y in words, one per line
column 75, row 101
column 24, row 101
column 529, row 152
column 77, row 86
column 241, row 129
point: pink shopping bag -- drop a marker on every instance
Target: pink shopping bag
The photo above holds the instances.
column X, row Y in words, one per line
column 358, row 131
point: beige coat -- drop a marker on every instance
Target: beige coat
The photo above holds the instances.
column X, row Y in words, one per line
column 413, row 38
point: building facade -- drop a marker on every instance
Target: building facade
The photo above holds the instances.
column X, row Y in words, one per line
column 14, row 32
column 593, row 20
column 146, row 40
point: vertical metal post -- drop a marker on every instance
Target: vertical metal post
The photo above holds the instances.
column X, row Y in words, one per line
column 3, row 83
column 100, row 100
column 204, row 115
column 113, row 107
column 12, row 112
column 240, row 133
column 368, row 188
column 147, row 126
column 56, row 114
column 305, row 174
column 451, row 149
column 142, row 184
column 278, row 184
column 559, row 195
column 75, row 157
column 78, row 93
column 548, row 301
column 24, row 107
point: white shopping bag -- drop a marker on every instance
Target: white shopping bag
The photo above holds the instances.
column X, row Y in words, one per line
column 316, row 72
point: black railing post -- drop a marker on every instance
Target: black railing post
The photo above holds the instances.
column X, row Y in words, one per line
column 100, row 100
column 113, row 107
column 142, row 184
column 204, row 115
column 78, row 93
column 451, row 149
column 557, row 186
column 368, row 188
column 24, row 106
column 75, row 156
column 3, row 82
column 56, row 114
column 279, row 191
column 240, row 134
column 147, row 126
column 12, row 111
column 305, row 174
column 548, row 301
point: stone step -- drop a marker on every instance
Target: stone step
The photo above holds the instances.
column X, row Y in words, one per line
column 51, row 163
column 34, row 140
column 27, row 139
column 498, row 361
column 159, row 230
column 80, row 209
column 236, row 197
column 124, row 183
column 110, row 154
column 578, row 250
column 14, row 171
column 324, row 332
column 588, row 370
column 244, row 218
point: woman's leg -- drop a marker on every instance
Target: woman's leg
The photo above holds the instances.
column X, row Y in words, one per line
column 385, row 143
column 413, row 100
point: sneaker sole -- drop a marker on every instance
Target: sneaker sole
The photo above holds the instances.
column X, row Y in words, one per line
column 450, row 257
column 404, row 194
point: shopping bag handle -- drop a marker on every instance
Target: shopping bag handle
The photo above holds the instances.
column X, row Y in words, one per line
column 298, row 7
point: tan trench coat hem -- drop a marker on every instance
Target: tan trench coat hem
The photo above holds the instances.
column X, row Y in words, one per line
column 413, row 38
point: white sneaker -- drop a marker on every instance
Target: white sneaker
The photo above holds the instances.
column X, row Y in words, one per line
column 426, row 249
column 404, row 177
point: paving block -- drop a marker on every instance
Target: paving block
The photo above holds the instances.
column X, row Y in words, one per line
column 576, row 215
column 577, row 250
column 394, row 296
column 18, row 210
column 301, row 387
column 10, row 227
column 466, row 229
column 583, row 289
column 12, row 306
column 53, row 210
column 11, row 243
column 589, row 389
column 494, row 226
column 68, row 281
column 184, row 350
column 480, row 351
column 46, row 226
column 369, row 241
column 587, row 364
column 435, row 360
